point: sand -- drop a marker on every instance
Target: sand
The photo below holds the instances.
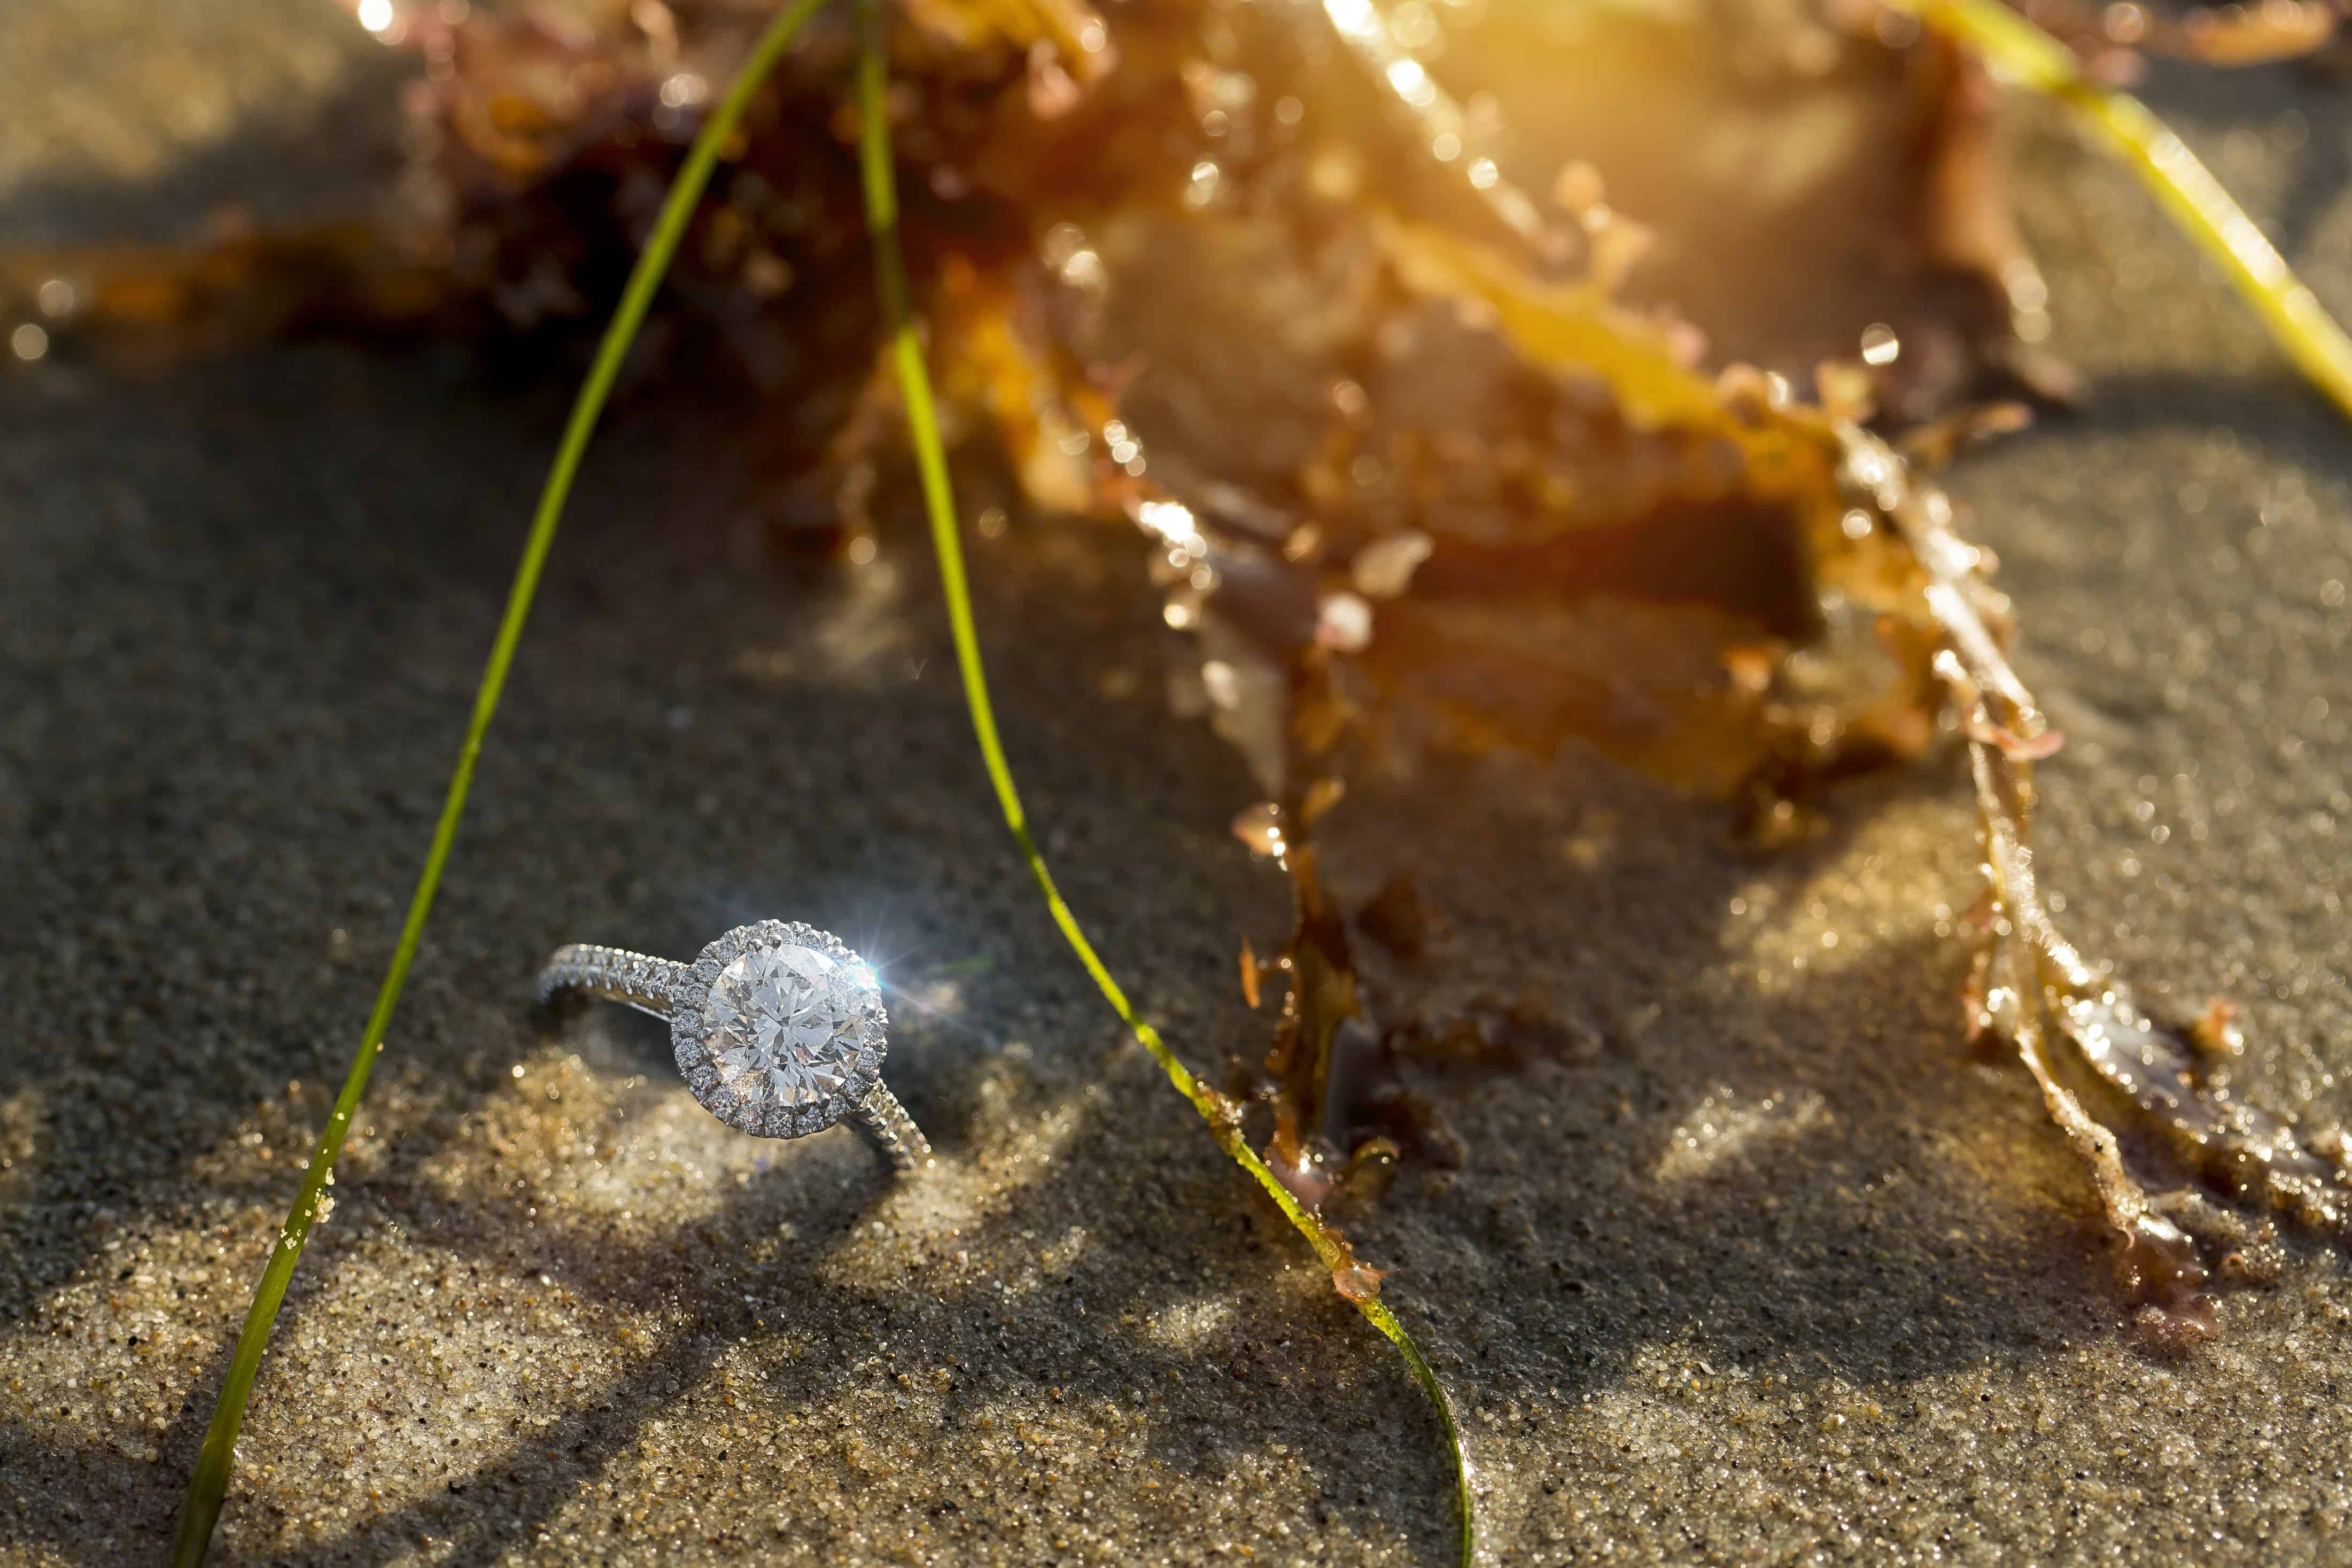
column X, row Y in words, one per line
column 1776, row 1270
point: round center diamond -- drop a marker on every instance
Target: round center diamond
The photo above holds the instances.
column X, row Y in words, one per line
column 785, row 1025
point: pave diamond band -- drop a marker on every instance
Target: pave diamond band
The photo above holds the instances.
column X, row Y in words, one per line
column 778, row 1029
column 614, row 973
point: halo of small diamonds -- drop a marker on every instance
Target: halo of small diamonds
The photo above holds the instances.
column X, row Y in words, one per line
column 724, row 1053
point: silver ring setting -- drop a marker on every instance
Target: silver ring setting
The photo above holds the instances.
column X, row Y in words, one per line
column 778, row 1029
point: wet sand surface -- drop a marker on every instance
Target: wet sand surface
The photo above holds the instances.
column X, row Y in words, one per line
column 1770, row 1268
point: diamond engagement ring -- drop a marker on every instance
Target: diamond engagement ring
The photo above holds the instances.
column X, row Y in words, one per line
column 778, row 1029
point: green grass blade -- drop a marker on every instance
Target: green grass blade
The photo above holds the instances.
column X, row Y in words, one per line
column 210, row 1483
column 2186, row 188
column 931, row 460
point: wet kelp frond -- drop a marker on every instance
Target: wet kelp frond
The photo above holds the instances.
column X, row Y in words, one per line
column 1874, row 537
column 1468, row 490
column 1859, row 182
column 2067, row 1017
column 2190, row 195
column 538, row 151
column 209, row 1484
column 1356, row 1281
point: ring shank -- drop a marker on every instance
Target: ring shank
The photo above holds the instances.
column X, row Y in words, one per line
column 633, row 979
column 886, row 1123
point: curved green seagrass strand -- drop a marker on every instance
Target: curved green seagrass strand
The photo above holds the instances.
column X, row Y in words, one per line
column 210, row 1482
column 2187, row 189
column 931, row 460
